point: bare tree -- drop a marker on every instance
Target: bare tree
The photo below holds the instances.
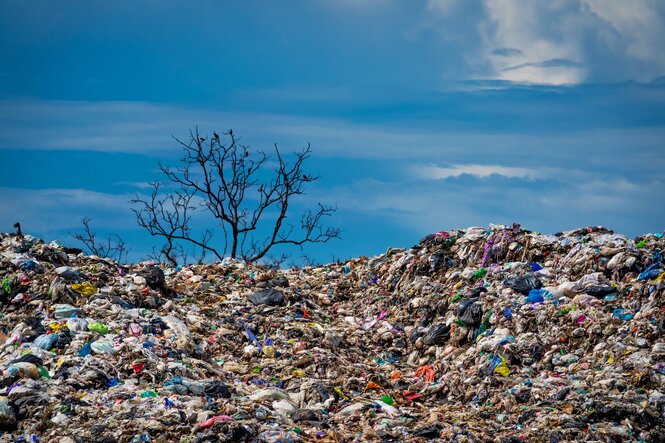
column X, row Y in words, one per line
column 276, row 261
column 177, row 255
column 112, row 247
column 169, row 216
column 233, row 184
column 303, row 261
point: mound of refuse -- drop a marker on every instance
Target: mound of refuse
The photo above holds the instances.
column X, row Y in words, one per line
column 482, row 334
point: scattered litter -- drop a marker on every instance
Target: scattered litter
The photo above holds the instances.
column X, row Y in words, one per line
column 482, row 334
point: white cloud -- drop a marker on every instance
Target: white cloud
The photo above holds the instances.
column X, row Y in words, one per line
column 517, row 25
column 571, row 201
column 138, row 185
column 359, row 4
column 557, row 42
column 518, row 40
column 48, row 210
column 434, row 172
column 146, row 128
column 442, row 6
column 637, row 27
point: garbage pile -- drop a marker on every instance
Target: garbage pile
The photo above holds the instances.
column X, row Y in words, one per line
column 475, row 335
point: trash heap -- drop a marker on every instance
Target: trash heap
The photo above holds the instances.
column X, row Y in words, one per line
column 482, row 334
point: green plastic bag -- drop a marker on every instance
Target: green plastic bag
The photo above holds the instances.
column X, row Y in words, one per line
column 98, row 327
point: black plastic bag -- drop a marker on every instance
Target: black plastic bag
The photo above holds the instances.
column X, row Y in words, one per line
column 464, row 305
column 217, row 389
column 523, row 284
column 270, row 297
column 473, row 315
column 437, row 334
column 599, row 291
column 154, row 277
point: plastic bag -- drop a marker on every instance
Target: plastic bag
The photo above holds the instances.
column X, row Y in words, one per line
column 500, row 366
column 154, row 277
column 523, row 284
column 100, row 328
column 270, row 297
column 473, row 316
column 84, row 288
column 46, row 341
column 64, row 311
column 535, row 296
column 438, row 334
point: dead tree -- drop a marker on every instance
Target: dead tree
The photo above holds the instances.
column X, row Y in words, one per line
column 169, row 216
column 112, row 247
column 250, row 203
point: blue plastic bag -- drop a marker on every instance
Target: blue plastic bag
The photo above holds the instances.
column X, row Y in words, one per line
column 652, row 271
column 46, row 341
column 622, row 314
column 85, row 350
column 535, row 296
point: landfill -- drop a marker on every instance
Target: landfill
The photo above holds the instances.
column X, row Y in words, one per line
column 484, row 334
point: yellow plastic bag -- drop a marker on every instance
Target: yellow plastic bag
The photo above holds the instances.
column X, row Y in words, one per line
column 502, row 368
column 55, row 326
column 84, row 288
column 269, row 351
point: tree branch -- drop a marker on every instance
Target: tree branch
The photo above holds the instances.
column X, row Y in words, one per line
column 233, row 186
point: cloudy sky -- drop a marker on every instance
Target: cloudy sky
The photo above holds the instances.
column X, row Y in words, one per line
column 422, row 115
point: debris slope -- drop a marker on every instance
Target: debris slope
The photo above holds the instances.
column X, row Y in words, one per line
column 480, row 334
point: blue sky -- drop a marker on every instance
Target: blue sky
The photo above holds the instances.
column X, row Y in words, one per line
column 422, row 115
